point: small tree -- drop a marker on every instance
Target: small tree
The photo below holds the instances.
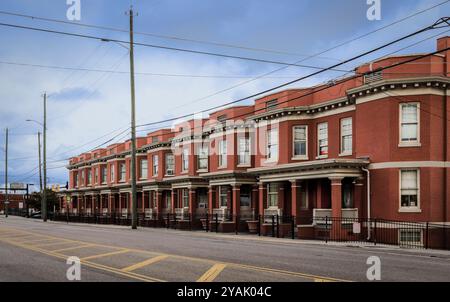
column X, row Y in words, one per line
column 36, row 199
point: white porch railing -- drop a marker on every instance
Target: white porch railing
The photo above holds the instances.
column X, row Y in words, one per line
column 182, row 213
column 320, row 215
column 270, row 212
column 222, row 213
column 148, row 213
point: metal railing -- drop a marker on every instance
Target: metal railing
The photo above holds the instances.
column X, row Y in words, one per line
column 338, row 229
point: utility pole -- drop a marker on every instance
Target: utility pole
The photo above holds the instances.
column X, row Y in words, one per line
column 40, row 162
column 44, row 193
column 133, row 130
column 6, row 174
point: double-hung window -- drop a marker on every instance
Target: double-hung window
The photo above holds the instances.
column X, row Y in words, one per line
column 155, row 165
column 143, row 169
column 169, row 164
column 272, row 145
column 185, row 160
column 223, row 196
column 272, row 195
column 300, row 141
column 409, row 124
column 104, row 175
column 111, row 167
column 322, row 139
column 185, row 198
column 409, row 188
column 244, row 151
column 122, row 172
column 89, row 177
column 222, row 153
column 346, row 136
column 202, row 158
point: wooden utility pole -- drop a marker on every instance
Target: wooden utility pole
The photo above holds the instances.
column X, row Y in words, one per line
column 134, row 215
column 40, row 162
column 6, row 173
column 44, row 193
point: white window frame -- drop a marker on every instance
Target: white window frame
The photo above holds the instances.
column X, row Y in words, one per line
column 172, row 164
column 269, row 145
column 409, row 209
column 223, row 193
column 143, row 173
column 246, row 153
column 104, row 174
column 276, row 187
column 319, row 139
column 155, row 165
column 223, row 150
column 185, row 198
column 410, row 243
column 113, row 178
column 342, row 136
column 122, row 173
column 411, row 143
column 185, row 160
column 202, row 154
column 301, row 156
column 89, row 177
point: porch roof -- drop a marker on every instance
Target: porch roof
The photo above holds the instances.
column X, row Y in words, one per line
column 311, row 169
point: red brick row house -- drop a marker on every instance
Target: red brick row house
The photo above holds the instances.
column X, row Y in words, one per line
column 372, row 146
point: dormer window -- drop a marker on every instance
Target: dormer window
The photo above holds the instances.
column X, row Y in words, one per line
column 222, row 118
column 373, row 77
column 271, row 105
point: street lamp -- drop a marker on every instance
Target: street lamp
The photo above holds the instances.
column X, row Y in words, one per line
column 44, row 128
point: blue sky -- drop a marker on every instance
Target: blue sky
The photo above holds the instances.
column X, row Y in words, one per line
column 84, row 106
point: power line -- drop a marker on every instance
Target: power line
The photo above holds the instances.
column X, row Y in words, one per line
column 160, row 36
column 435, row 25
column 165, row 47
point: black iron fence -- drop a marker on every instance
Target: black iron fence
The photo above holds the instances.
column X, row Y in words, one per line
column 337, row 229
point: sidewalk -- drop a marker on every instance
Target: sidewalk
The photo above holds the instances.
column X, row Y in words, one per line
column 246, row 236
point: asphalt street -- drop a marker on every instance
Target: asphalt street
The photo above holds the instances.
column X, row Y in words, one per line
column 31, row 250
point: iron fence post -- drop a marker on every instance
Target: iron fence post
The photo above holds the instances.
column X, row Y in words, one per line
column 217, row 222
column 293, row 227
column 375, row 232
column 273, row 225
column 426, row 236
column 258, row 225
column 326, row 229
column 236, row 224
column 207, row 222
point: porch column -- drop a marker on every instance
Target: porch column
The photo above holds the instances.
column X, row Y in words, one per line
column 192, row 201
column 336, row 197
column 255, row 199
column 262, row 198
column 211, row 195
column 109, row 203
column 296, row 199
column 281, row 197
column 319, row 186
column 174, row 200
column 358, row 195
column 158, row 202
column 236, row 201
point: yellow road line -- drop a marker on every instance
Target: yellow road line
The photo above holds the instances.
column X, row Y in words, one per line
column 51, row 243
column 212, row 273
column 73, row 248
column 106, row 254
column 144, row 263
column 255, row 268
column 92, row 264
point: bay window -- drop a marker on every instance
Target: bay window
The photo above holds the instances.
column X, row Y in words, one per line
column 409, row 124
column 272, row 145
column 143, row 171
column 244, row 151
column 202, row 158
column 222, row 153
column 155, row 165
column 346, row 136
column 169, row 164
